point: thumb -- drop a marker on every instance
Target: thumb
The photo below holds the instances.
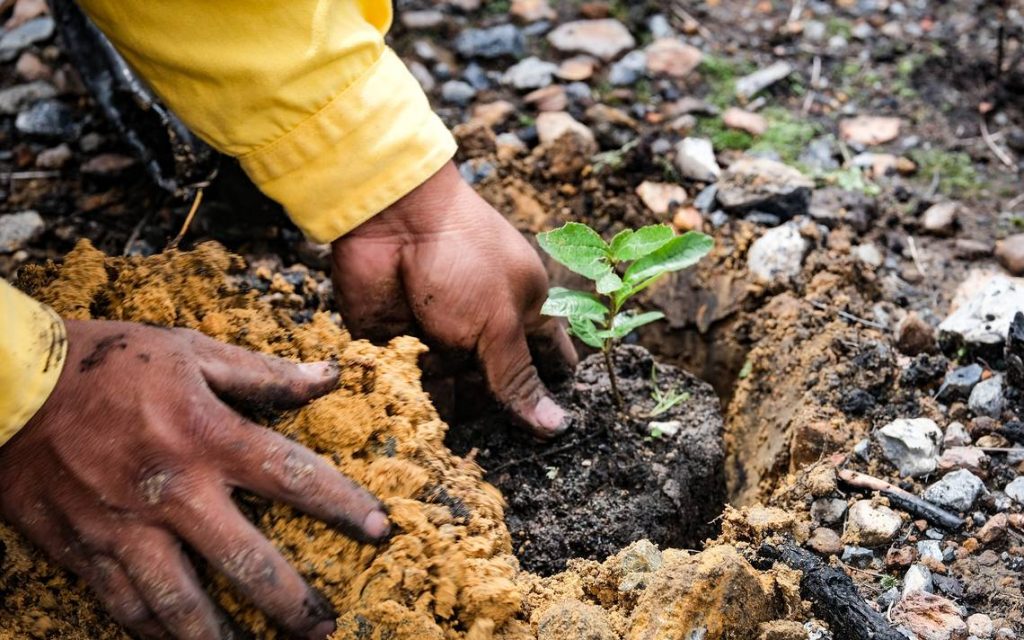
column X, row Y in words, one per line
column 513, row 379
column 257, row 379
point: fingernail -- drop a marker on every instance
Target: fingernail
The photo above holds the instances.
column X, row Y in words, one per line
column 322, row 630
column 376, row 525
column 550, row 417
column 319, row 370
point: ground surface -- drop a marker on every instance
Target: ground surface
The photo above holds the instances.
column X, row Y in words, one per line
column 805, row 359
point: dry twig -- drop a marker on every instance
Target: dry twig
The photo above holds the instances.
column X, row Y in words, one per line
column 996, row 150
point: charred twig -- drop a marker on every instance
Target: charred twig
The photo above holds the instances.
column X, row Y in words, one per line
column 903, row 499
column 833, row 596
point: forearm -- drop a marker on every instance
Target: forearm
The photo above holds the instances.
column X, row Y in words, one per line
column 32, row 352
column 322, row 115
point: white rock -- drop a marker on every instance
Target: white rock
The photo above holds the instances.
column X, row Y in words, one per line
column 552, row 125
column 940, row 218
column 660, row 197
column 666, row 428
column 529, row 73
column 748, row 86
column 778, row 255
column 695, row 159
column 911, row 444
column 930, row 549
column 956, row 490
column 917, row 579
column 869, row 254
column 871, row 525
column 604, row 39
column 987, row 397
column 984, row 319
column 1015, row 489
column 18, row 229
column 980, row 626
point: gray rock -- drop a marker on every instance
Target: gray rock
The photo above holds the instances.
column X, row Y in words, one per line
column 705, row 200
column 778, row 255
column 695, row 159
column 930, row 549
column 819, row 155
column 48, row 119
column 912, row 445
column 1015, row 490
column 956, row 490
column 869, row 254
column 660, row 27
column 863, row 450
column 857, row 556
column 748, row 86
column 940, row 219
column 603, row 39
column 457, row 92
column 422, row 75
column 18, row 229
column 815, row 30
column 475, row 75
column 960, row 381
column 987, row 397
column 760, row 184
column 13, row 41
column 495, row 42
column 629, row 69
column 888, row 598
column 21, row 96
column 956, row 435
column 984, row 320
column 917, row 579
column 529, row 73
column 828, row 510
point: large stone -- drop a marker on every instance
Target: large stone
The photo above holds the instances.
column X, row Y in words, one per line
column 1015, row 489
column 956, row 490
column 1010, row 253
column 495, row 42
column 778, row 255
column 695, row 159
column 18, row 229
column 604, row 39
column 760, row 184
column 672, row 57
column 930, row 617
column 983, row 321
column 21, row 96
column 871, row 525
column 529, row 73
column 987, row 397
column 33, row 31
column 912, row 445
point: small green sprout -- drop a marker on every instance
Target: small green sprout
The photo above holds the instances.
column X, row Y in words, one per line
column 663, row 400
column 633, row 261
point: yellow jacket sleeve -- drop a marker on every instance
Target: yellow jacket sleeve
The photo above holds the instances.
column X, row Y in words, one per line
column 32, row 349
column 323, row 117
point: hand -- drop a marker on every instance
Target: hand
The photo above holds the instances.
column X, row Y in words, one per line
column 442, row 263
column 134, row 454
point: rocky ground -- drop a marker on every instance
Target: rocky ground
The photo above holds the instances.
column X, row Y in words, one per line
column 858, row 163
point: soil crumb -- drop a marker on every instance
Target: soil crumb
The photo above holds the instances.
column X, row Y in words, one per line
column 449, row 571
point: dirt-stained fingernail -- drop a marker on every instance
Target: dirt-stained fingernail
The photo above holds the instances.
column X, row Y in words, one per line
column 376, row 525
column 550, row 417
column 319, row 370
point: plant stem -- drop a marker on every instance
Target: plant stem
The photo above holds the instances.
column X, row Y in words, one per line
column 611, row 374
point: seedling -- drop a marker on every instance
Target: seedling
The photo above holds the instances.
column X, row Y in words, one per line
column 663, row 400
column 633, row 261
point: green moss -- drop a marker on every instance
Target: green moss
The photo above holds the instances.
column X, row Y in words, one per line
column 839, row 27
column 955, row 170
column 722, row 137
column 643, row 91
column 721, row 75
column 850, row 179
column 787, row 135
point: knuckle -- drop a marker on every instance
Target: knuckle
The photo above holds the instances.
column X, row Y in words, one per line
column 175, row 602
column 251, row 566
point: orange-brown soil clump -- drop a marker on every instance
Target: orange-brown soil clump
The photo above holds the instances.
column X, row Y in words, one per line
column 448, row 573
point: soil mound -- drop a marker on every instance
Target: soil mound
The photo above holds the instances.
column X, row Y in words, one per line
column 449, row 571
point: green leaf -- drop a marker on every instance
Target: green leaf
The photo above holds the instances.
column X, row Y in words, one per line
column 579, row 248
column 609, row 283
column 566, row 303
column 632, row 245
column 624, row 323
column 678, row 253
column 584, row 329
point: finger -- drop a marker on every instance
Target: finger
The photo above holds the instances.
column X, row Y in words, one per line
column 163, row 577
column 277, row 468
column 215, row 528
column 552, row 350
column 369, row 289
column 512, row 377
column 256, row 378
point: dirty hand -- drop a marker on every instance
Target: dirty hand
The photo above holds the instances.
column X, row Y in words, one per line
column 134, row 456
column 443, row 264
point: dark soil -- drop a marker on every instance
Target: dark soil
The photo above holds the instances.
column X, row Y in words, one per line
column 609, row 480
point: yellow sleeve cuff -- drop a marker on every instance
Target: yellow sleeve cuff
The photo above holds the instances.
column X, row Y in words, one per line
column 373, row 143
column 33, row 346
